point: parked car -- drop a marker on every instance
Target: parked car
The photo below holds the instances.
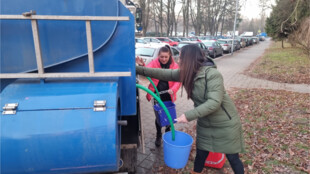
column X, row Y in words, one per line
column 194, row 38
column 214, row 48
column 242, row 41
column 149, row 53
column 183, row 39
column 237, row 44
column 249, row 41
column 202, row 38
column 254, row 40
column 226, row 45
column 201, row 45
column 257, row 39
column 140, row 42
column 175, row 39
column 168, row 41
column 153, row 41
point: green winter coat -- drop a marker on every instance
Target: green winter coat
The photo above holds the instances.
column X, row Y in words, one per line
column 218, row 123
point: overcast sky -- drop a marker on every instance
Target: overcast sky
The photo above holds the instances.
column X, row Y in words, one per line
column 250, row 9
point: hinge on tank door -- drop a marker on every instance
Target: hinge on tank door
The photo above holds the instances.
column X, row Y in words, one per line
column 99, row 105
column 9, row 109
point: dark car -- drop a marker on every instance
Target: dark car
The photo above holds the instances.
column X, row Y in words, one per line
column 200, row 45
column 214, row 48
column 238, row 44
column 183, row 39
column 175, row 39
column 255, row 40
column 249, row 41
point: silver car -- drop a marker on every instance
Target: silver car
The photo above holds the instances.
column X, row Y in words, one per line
column 226, row 44
column 150, row 53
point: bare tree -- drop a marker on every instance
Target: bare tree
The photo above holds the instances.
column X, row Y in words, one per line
column 145, row 7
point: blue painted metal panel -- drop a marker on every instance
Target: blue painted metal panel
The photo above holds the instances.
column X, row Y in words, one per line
column 60, row 40
column 63, row 42
column 57, row 94
column 63, row 140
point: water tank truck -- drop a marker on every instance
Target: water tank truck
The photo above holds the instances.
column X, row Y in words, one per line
column 68, row 95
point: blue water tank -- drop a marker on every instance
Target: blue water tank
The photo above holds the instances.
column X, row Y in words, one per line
column 56, row 128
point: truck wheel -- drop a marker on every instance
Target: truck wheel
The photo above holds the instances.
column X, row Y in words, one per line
column 129, row 157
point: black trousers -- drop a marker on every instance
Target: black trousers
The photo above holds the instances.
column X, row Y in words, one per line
column 158, row 129
column 233, row 159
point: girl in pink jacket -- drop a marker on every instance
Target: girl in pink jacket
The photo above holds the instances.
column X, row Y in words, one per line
column 164, row 60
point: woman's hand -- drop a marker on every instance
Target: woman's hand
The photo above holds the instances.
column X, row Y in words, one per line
column 170, row 91
column 182, row 119
column 139, row 61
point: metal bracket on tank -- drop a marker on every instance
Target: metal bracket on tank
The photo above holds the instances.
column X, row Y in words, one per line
column 9, row 109
column 100, row 105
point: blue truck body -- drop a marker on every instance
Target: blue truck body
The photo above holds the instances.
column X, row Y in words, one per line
column 55, row 128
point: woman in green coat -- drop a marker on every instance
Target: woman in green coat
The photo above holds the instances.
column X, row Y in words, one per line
column 218, row 123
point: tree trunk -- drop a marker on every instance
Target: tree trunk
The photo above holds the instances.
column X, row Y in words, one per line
column 282, row 44
column 198, row 21
column 168, row 18
column 187, row 17
column 161, row 18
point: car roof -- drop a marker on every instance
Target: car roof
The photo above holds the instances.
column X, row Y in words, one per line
column 209, row 41
column 189, row 42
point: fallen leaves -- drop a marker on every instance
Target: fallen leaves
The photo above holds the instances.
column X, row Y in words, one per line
column 276, row 133
column 276, row 130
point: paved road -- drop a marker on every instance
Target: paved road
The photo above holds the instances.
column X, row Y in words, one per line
column 231, row 67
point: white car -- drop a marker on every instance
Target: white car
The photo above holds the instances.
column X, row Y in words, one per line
column 149, row 53
column 154, row 42
column 141, row 42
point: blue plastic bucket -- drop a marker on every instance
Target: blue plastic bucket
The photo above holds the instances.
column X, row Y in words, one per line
column 176, row 152
column 162, row 118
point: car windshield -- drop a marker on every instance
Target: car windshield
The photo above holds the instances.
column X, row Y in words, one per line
column 192, row 39
column 222, row 41
column 184, row 39
column 182, row 45
column 174, row 39
column 149, row 52
column 140, row 41
column 208, row 43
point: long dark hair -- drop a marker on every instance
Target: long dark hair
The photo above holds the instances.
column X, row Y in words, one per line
column 191, row 59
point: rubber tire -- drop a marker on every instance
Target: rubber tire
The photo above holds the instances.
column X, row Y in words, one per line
column 214, row 54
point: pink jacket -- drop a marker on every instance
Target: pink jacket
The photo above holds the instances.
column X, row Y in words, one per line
column 174, row 86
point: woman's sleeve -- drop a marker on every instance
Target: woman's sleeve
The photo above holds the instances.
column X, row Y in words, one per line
column 215, row 95
column 161, row 74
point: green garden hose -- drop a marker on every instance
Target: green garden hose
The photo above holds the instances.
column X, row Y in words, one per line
column 153, row 85
column 162, row 105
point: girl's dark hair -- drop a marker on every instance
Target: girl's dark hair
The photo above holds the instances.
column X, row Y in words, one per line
column 166, row 49
column 191, row 59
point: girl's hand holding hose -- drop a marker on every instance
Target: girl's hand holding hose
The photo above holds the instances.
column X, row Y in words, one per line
column 170, row 91
column 181, row 119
